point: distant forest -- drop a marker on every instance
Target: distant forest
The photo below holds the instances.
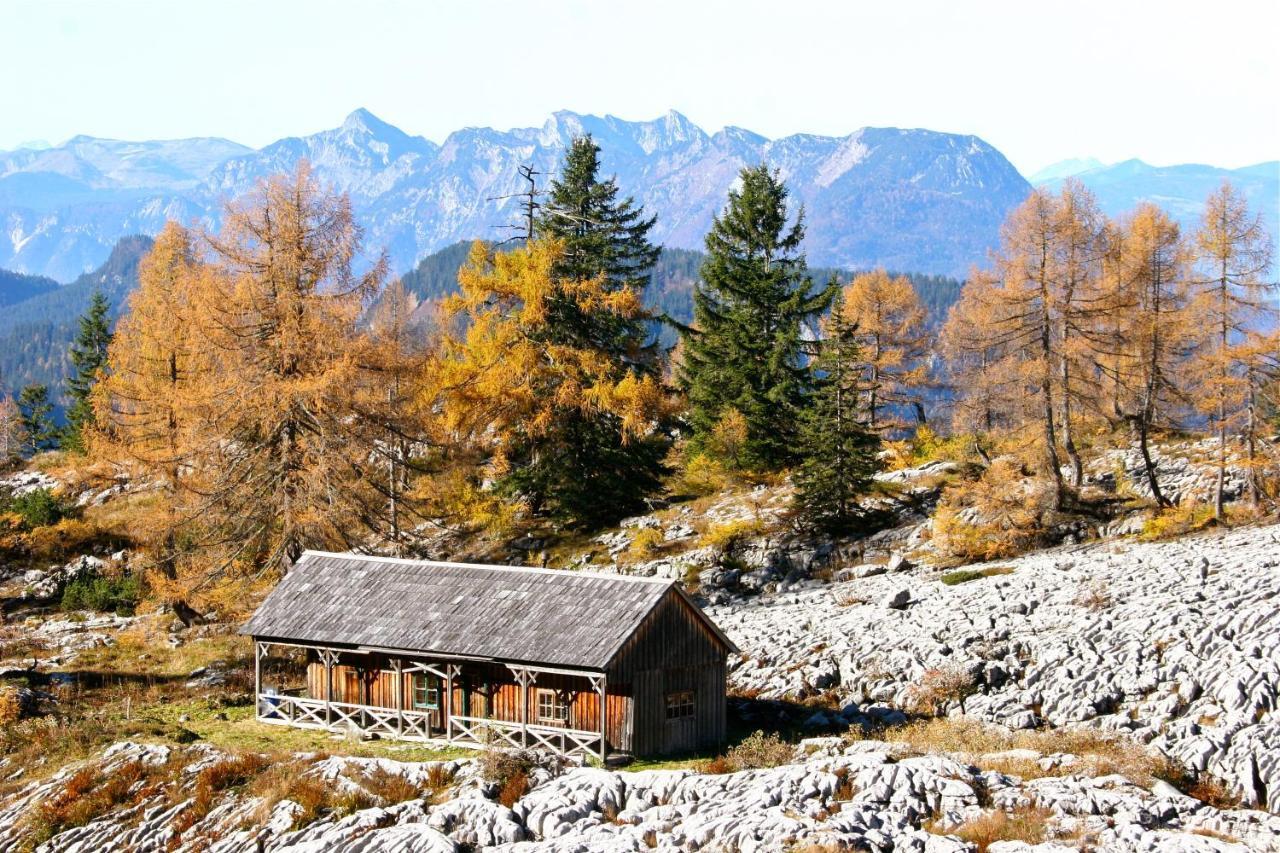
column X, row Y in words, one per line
column 36, row 330
column 39, row 317
column 670, row 291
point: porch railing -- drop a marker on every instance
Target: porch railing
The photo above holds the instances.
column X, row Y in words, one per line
column 307, row 713
column 474, row 732
column 481, row 731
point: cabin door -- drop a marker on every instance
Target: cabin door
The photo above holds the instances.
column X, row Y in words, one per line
column 680, row 733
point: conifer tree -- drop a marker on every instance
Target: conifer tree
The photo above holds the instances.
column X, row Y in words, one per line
column 889, row 319
column 161, row 369
column 1153, row 337
column 282, row 319
column 602, row 235
column 1234, row 252
column 988, row 389
column 839, row 450
column 504, row 383
column 88, row 358
column 13, row 437
column 745, row 351
column 392, row 355
column 583, row 468
column 37, row 420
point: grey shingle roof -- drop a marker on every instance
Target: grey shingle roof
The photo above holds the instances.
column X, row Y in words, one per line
column 556, row 618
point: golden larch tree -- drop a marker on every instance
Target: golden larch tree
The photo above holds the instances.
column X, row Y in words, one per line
column 891, row 334
column 161, row 373
column 283, row 325
column 1231, row 301
column 1154, row 336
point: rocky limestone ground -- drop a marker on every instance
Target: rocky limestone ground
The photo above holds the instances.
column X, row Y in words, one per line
column 1174, row 644
column 865, row 795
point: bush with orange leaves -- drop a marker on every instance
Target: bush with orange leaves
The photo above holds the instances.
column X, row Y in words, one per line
column 1002, row 513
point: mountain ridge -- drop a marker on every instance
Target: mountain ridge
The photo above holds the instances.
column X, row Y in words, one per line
column 902, row 198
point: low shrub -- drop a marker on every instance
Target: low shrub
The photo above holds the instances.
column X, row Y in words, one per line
column 928, row 446
column 10, row 706
column 647, row 542
column 509, row 771
column 1214, row 792
column 965, row 575
column 1002, row 513
column 36, row 508
column 1028, row 825
column 937, row 689
column 1177, row 521
column 67, row 538
column 701, row 476
column 756, row 750
column 728, row 536
column 103, row 594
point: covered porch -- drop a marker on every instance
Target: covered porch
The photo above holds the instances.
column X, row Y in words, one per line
column 433, row 699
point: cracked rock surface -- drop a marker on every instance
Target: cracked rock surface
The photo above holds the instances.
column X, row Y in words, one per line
column 1176, row 644
column 865, row 795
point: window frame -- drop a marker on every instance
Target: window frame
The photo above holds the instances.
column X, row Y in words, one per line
column 680, row 705
column 559, row 708
column 423, row 684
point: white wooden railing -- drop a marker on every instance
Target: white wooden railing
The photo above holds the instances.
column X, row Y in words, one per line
column 307, row 713
column 475, row 732
column 480, row 732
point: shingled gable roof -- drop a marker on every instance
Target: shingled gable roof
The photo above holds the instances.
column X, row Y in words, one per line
column 521, row 615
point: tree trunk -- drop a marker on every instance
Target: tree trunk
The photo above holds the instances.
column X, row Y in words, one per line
column 1148, row 466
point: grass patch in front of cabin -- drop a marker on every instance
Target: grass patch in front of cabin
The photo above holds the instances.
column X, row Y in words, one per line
column 960, row 576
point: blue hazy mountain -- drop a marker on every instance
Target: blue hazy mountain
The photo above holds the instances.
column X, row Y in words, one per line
column 916, row 200
column 1181, row 189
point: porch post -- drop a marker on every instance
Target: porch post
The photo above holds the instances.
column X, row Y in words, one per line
column 327, row 656
column 397, row 668
column 604, row 716
column 524, row 707
column 257, row 680
column 450, row 670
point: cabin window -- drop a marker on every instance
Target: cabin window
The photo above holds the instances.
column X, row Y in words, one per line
column 425, row 694
column 551, row 708
column 680, row 705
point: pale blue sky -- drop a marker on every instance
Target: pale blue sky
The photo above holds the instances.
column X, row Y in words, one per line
column 1168, row 82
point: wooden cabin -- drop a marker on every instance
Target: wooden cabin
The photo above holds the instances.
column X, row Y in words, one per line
column 473, row 654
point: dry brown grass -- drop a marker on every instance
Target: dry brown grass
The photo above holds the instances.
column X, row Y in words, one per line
column 10, row 706
column 1093, row 596
column 90, row 793
column 755, row 751
column 513, row 788
column 391, row 788
column 1213, row 792
column 1100, row 754
column 1214, row 834
column 286, row 780
column 849, row 598
column 1028, row 825
column 937, row 689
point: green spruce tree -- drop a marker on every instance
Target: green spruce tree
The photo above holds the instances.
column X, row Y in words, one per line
column 37, row 423
column 582, row 470
column 88, row 357
column 746, row 350
column 839, row 451
column 602, row 235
